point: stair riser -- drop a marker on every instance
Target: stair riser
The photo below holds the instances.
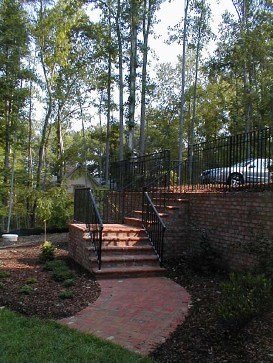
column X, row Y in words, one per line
column 122, row 235
column 122, row 264
column 163, row 214
column 176, row 201
column 127, row 253
column 126, row 243
column 107, row 250
column 134, row 223
column 117, row 262
column 136, row 215
column 121, row 243
column 101, row 276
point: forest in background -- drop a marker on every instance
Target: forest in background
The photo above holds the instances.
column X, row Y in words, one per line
column 59, row 68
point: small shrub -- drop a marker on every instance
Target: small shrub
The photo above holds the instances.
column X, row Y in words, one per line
column 48, row 252
column 31, row 280
column 55, row 264
column 262, row 248
column 243, row 297
column 26, row 289
column 205, row 258
column 69, row 282
column 4, row 274
column 66, row 294
column 62, row 273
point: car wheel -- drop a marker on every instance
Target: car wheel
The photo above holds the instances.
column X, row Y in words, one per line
column 235, row 180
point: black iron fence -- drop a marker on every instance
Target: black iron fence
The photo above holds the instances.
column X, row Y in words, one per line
column 239, row 161
column 228, row 163
column 115, row 205
column 134, row 173
column 127, row 180
column 86, row 211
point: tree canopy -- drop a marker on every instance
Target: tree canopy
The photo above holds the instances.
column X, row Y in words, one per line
column 83, row 89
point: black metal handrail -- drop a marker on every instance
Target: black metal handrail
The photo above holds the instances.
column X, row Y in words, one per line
column 153, row 224
column 116, row 204
column 86, row 211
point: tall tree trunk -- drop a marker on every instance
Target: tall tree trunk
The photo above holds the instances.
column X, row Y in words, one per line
column 109, row 75
column 147, row 18
column 121, row 84
column 132, row 75
column 29, row 154
column 8, row 110
column 193, row 117
column 11, row 192
column 60, row 148
column 84, row 155
column 42, row 146
column 107, row 145
column 48, row 113
column 101, row 137
column 242, row 9
column 29, row 146
column 182, row 99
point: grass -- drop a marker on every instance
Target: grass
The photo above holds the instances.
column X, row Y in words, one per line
column 31, row 340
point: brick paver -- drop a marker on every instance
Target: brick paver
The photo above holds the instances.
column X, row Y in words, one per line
column 137, row 313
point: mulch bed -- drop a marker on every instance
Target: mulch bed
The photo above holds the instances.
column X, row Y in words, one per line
column 201, row 338
column 44, row 300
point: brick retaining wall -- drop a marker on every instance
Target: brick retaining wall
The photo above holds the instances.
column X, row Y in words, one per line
column 231, row 222
column 77, row 245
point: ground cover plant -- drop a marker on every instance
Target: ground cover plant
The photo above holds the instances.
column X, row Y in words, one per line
column 204, row 336
column 31, row 340
column 36, row 282
column 59, row 288
column 33, row 281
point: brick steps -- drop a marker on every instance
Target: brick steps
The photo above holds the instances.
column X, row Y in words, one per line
column 138, row 214
column 133, row 221
column 127, row 261
column 166, row 208
column 125, row 241
column 121, row 250
column 126, row 249
column 121, row 231
column 133, row 271
column 146, row 250
column 126, row 252
column 174, row 200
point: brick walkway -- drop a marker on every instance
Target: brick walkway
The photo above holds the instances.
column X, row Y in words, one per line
column 137, row 313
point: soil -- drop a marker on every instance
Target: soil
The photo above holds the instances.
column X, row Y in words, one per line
column 201, row 338
column 21, row 261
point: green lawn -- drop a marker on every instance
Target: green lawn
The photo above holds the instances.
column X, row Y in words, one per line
column 31, row 340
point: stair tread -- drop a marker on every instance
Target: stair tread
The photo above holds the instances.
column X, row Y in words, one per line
column 161, row 214
column 129, row 269
column 124, row 258
column 175, row 199
column 124, row 248
column 122, row 238
column 132, row 219
column 120, row 227
column 168, row 207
